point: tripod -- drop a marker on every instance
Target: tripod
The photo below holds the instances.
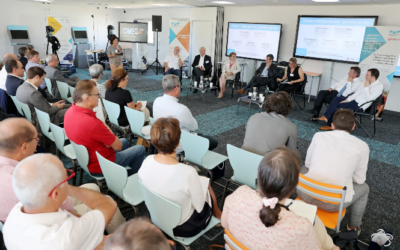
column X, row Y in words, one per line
column 55, row 46
column 156, row 62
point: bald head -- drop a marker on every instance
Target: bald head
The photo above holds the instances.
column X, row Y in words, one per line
column 9, row 56
column 35, row 177
column 14, row 132
column 137, row 234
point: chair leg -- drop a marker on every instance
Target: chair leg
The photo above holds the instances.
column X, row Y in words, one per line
column 185, row 246
column 359, row 123
column 81, row 177
column 136, row 210
column 74, row 166
column 224, row 193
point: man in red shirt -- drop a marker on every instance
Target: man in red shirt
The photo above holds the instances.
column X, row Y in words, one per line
column 82, row 127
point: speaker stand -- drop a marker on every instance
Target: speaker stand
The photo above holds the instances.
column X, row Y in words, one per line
column 156, row 63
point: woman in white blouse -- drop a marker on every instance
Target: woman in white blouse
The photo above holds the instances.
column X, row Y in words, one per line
column 178, row 182
column 229, row 71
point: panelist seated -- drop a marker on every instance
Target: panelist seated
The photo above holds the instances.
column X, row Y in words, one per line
column 264, row 76
column 347, row 86
column 294, row 75
column 201, row 64
column 229, row 70
column 371, row 90
column 173, row 63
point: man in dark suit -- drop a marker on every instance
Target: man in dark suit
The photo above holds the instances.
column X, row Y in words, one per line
column 23, row 59
column 15, row 76
column 201, row 65
column 264, row 75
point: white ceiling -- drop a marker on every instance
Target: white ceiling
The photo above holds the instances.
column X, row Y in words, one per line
column 134, row 4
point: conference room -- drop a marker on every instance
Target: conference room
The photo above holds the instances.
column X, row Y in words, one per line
column 228, row 95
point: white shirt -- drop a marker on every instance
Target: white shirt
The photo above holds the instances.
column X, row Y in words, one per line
column 178, row 183
column 33, row 85
column 53, row 231
column 168, row 106
column 172, row 61
column 3, row 78
column 201, row 61
column 351, row 88
column 338, row 158
column 366, row 94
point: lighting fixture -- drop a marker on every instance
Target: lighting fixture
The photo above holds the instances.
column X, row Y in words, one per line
column 222, row 2
column 45, row 1
column 159, row 4
column 326, row 1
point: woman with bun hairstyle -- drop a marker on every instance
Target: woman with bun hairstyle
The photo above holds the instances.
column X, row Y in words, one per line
column 116, row 92
column 260, row 220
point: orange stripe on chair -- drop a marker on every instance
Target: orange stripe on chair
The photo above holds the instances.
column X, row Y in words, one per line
column 235, row 241
column 324, row 193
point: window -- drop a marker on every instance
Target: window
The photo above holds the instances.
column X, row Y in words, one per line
column 150, row 33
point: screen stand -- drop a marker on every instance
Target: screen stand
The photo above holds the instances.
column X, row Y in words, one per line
column 156, row 63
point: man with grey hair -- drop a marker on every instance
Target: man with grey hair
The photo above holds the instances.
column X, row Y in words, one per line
column 168, row 106
column 3, row 72
column 202, row 65
column 96, row 70
column 53, row 73
column 173, row 63
column 136, row 234
column 40, row 183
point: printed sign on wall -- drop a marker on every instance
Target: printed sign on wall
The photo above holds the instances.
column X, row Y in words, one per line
column 179, row 35
column 62, row 30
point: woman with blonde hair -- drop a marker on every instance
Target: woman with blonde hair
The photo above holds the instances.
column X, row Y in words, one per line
column 229, row 70
column 295, row 76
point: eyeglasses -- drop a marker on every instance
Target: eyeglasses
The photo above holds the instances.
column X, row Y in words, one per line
column 69, row 178
column 37, row 139
column 98, row 95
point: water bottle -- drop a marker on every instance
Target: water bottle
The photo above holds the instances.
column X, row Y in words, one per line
column 201, row 82
column 254, row 97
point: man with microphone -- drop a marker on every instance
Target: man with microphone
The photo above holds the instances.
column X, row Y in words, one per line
column 173, row 64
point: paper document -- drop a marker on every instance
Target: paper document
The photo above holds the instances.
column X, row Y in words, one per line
column 146, row 130
column 144, row 103
column 285, row 82
column 303, row 209
column 204, row 184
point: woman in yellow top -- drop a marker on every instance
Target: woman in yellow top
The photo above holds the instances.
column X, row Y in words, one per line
column 114, row 53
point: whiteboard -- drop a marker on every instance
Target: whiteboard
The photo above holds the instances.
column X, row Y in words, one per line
column 201, row 36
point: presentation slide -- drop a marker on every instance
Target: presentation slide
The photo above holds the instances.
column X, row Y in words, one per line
column 253, row 40
column 331, row 38
column 133, row 32
column 397, row 72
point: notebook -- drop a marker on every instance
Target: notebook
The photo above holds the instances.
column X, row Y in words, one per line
column 302, row 209
column 144, row 103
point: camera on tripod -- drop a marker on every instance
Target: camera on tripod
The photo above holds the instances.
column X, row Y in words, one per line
column 49, row 31
column 110, row 29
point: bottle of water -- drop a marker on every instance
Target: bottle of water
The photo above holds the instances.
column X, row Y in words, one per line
column 254, row 97
column 201, row 82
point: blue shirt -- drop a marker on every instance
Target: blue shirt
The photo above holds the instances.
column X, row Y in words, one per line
column 265, row 71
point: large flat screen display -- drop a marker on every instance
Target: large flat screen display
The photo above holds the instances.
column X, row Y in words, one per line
column 133, row 32
column 80, row 34
column 331, row 38
column 19, row 34
column 254, row 40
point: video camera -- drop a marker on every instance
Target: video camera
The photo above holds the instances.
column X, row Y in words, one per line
column 110, row 29
column 49, row 31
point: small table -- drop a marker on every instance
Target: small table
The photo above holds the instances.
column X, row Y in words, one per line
column 203, row 90
column 94, row 52
column 247, row 99
column 312, row 74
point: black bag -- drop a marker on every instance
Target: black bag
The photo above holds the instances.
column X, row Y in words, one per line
column 283, row 63
column 346, row 240
column 218, row 171
column 102, row 56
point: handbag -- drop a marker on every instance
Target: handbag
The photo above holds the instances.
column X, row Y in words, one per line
column 347, row 240
column 218, row 171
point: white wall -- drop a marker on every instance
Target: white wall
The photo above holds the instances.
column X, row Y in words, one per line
column 287, row 16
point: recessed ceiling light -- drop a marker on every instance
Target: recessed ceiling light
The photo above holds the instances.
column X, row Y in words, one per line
column 47, row 1
column 325, row 1
column 159, row 4
column 222, row 2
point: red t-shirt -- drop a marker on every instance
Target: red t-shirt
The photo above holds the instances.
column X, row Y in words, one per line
column 82, row 127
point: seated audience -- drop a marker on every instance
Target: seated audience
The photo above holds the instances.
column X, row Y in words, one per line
column 4, row 115
column 22, row 53
column 264, row 214
column 371, row 90
column 82, row 127
column 264, row 76
column 202, row 65
column 138, row 233
column 96, row 70
column 28, row 93
column 53, row 73
column 294, row 75
column 345, row 87
column 18, row 140
column 262, row 133
column 116, row 93
column 178, row 182
column 173, row 63
column 168, row 106
column 229, row 70
column 40, row 183
column 33, row 61
column 3, row 72
column 29, row 47
column 15, row 72
column 341, row 159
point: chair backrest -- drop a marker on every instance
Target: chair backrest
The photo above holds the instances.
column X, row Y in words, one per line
column 237, row 77
column 17, row 104
column 44, row 122
column 116, row 176
column 164, row 213
column 63, row 88
column 24, row 76
column 195, row 147
column 112, row 110
column 71, row 90
column 59, row 136
column 244, row 164
column 49, row 85
column 26, row 111
column 135, row 119
column 302, row 86
column 82, row 155
column 374, row 106
column 1, row 226
column 233, row 243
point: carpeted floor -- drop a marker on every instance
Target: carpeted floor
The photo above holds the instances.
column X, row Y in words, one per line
column 219, row 118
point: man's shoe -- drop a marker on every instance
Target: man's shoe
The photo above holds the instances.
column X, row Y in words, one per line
column 241, row 91
column 322, row 118
column 195, row 91
column 325, row 128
